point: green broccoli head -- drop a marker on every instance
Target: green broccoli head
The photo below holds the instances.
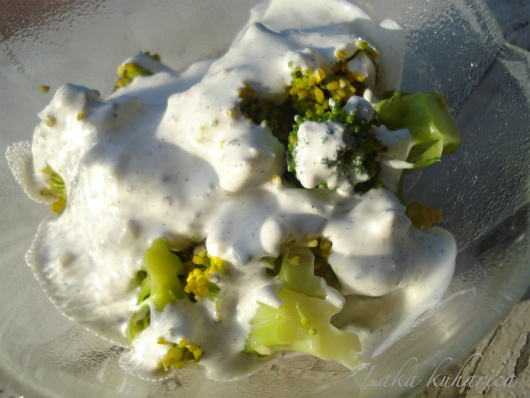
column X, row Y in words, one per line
column 336, row 150
column 178, row 354
column 131, row 70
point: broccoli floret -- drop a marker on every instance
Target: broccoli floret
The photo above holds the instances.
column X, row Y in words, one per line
column 130, row 71
column 167, row 276
column 422, row 215
column 57, row 190
column 337, row 150
column 313, row 93
column 297, row 272
column 311, row 90
column 302, row 322
column 310, row 93
column 202, row 268
column 179, row 353
column 366, row 48
column 160, row 284
column 279, row 118
column 321, row 251
column 429, row 120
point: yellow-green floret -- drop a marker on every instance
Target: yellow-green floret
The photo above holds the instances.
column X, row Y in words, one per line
column 56, row 190
column 422, row 215
column 202, row 269
column 309, row 93
column 312, row 89
column 178, row 354
column 130, row 71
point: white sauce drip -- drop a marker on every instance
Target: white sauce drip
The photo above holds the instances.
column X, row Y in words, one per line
column 164, row 157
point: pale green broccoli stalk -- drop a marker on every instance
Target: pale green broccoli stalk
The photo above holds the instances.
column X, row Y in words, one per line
column 297, row 272
column 429, row 120
column 312, row 93
column 160, row 284
column 57, row 190
column 163, row 269
column 302, row 322
column 311, row 90
column 365, row 47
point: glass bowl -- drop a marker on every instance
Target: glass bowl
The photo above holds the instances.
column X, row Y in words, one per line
column 452, row 46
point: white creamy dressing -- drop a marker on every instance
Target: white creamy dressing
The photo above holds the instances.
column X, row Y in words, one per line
column 165, row 157
column 319, row 145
